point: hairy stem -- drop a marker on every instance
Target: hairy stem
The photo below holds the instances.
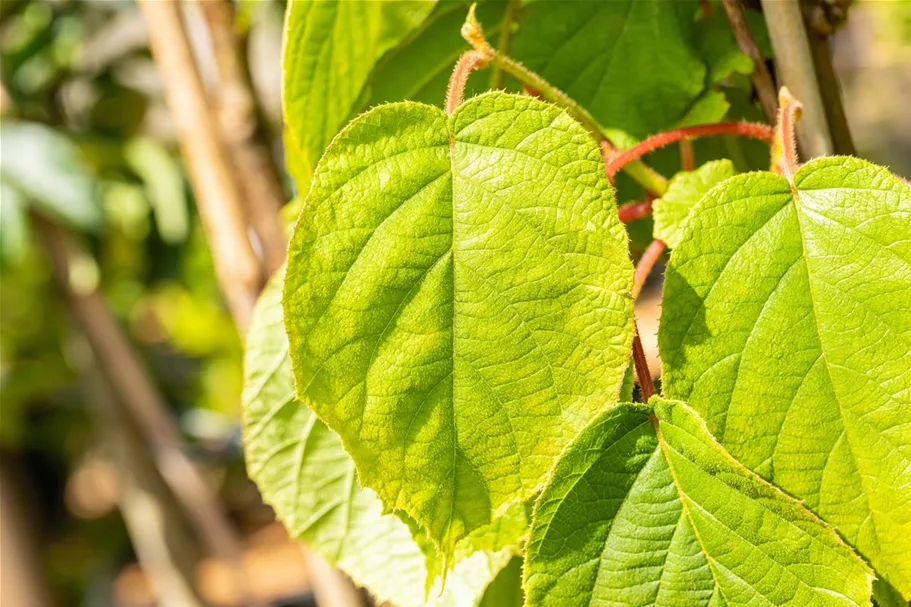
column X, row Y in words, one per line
column 473, row 32
column 634, row 210
column 470, row 60
column 641, row 365
column 784, row 148
column 743, row 129
column 687, row 157
column 646, row 263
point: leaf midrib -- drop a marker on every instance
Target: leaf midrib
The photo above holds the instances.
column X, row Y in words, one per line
column 662, row 445
column 795, row 196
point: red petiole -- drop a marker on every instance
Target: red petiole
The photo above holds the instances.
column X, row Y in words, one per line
column 635, row 210
column 752, row 130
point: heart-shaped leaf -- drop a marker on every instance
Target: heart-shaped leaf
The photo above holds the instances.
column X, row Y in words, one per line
column 646, row 509
column 304, row 473
column 787, row 323
column 458, row 301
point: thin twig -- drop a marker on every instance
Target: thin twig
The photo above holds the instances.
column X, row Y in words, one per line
column 632, row 211
column 217, row 194
column 752, row 130
column 243, row 131
column 158, row 529
column 646, row 263
column 23, row 560
column 761, row 77
column 687, row 156
column 797, row 71
column 646, row 385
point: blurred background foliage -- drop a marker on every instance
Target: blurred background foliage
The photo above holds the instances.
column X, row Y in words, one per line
column 87, row 141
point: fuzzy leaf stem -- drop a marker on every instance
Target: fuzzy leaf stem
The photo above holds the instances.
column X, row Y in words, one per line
column 784, row 148
column 751, row 130
column 632, row 211
column 648, row 178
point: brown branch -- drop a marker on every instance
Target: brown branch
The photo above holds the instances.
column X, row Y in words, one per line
column 158, row 528
column 22, row 564
column 135, row 390
column 761, row 77
column 797, row 71
column 687, row 155
column 829, row 87
column 242, row 129
column 646, row 385
column 217, row 194
column 648, row 260
column 331, row 586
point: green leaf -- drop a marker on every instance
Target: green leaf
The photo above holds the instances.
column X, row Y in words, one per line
column 164, row 184
column 419, row 68
column 644, row 511
column 683, row 191
column 304, row 473
column 458, row 301
column 885, row 595
column 719, row 49
column 787, row 323
column 14, row 225
column 46, row 167
column 711, row 106
column 506, row 589
column 330, row 49
column 632, row 63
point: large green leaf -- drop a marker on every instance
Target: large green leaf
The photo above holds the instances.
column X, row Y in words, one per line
column 683, row 191
column 419, row 69
column 787, row 323
column 632, row 63
column 330, row 48
column 646, row 509
column 304, row 473
column 458, row 301
column 48, row 170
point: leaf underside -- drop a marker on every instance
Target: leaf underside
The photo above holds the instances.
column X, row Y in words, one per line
column 304, row 473
column 787, row 324
column 458, row 301
column 654, row 512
